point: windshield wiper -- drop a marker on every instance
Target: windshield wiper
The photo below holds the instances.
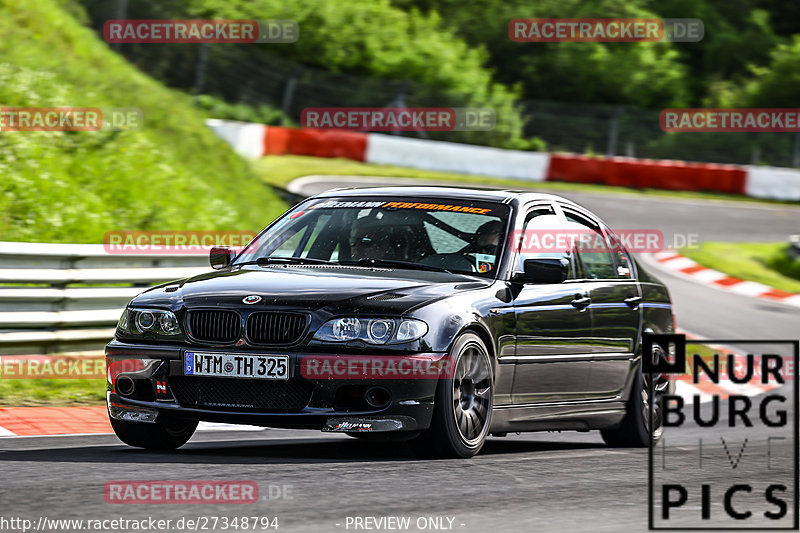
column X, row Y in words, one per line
column 263, row 261
column 395, row 263
column 276, row 260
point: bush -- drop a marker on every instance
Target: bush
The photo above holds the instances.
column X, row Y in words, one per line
column 75, row 186
column 784, row 263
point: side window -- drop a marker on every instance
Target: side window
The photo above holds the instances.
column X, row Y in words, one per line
column 622, row 259
column 594, row 253
column 539, row 238
column 623, row 262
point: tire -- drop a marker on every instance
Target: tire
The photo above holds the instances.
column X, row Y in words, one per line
column 158, row 436
column 634, row 430
column 463, row 404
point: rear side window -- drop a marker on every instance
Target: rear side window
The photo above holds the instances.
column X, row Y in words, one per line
column 596, row 259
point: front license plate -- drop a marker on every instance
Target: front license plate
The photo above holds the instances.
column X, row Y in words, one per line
column 236, row 365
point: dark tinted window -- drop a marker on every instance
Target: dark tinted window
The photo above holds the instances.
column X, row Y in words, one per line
column 594, row 253
column 541, row 227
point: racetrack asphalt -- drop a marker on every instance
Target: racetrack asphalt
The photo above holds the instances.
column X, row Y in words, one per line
column 531, row 482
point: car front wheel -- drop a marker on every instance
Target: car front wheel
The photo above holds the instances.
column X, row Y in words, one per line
column 154, row 436
column 463, row 404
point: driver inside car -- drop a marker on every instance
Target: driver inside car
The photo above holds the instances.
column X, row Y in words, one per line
column 488, row 237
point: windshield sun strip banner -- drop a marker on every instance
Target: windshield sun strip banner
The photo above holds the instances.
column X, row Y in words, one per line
column 336, row 204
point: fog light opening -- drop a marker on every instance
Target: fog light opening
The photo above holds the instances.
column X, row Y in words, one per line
column 377, row 397
column 125, row 385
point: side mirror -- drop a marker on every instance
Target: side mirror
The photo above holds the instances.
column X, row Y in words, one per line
column 220, row 257
column 546, row 270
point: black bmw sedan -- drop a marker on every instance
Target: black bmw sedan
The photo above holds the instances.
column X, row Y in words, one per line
column 432, row 315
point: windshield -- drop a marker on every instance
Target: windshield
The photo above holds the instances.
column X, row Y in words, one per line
column 442, row 234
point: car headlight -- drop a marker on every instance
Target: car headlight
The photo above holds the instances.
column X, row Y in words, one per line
column 371, row 330
column 141, row 321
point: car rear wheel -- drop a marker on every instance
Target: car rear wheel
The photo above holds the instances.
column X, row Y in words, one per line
column 463, row 404
column 640, row 427
column 154, row 436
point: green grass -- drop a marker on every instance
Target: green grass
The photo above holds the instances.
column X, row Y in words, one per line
column 174, row 173
column 61, row 392
column 280, row 170
column 752, row 261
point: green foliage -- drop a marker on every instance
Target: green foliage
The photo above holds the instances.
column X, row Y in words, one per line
column 737, row 33
column 777, row 84
column 370, row 37
column 640, row 74
column 733, row 148
column 360, row 40
column 75, row 186
column 752, row 261
column 783, row 262
column 61, row 392
column 215, row 107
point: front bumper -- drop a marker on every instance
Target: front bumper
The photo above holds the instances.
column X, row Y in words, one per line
column 331, row 404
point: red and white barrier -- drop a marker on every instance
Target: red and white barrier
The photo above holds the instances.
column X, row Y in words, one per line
column 256, row 140
column 245, row 137
column 773, row 182
column 456, row 157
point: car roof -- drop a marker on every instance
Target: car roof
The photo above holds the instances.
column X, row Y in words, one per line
column 466, row 193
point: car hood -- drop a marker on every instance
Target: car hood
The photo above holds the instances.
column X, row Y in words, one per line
column 310, row 287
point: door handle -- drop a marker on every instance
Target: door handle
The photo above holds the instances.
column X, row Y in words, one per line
column 581, row 302
column 633, row 301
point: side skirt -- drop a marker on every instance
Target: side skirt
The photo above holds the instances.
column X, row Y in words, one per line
column 574, row 415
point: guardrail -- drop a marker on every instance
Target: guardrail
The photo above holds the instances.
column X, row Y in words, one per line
column 68, row 297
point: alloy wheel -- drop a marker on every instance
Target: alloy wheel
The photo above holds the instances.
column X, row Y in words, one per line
column 472, row 393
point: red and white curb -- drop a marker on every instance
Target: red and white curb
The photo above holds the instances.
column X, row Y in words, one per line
column 83, row 420
column 679, row 264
